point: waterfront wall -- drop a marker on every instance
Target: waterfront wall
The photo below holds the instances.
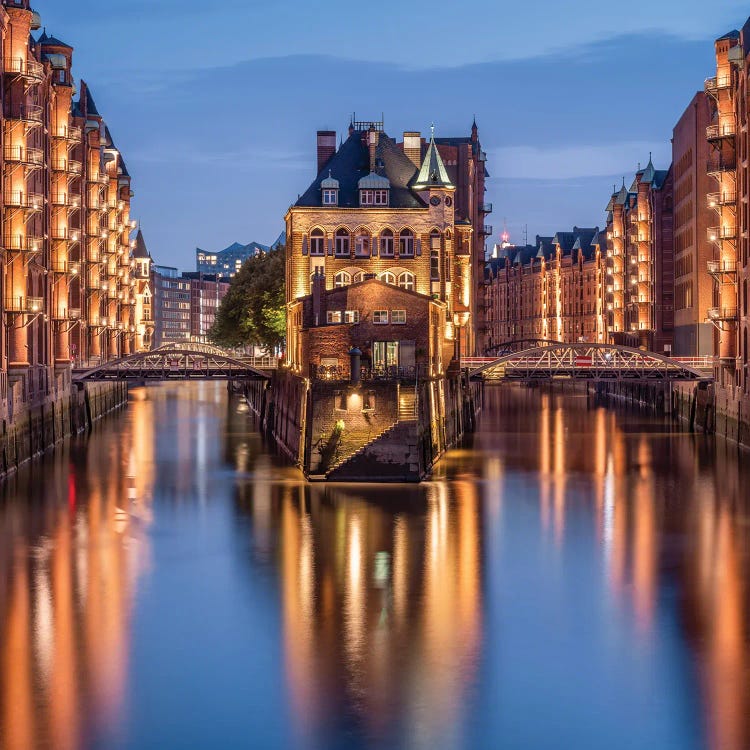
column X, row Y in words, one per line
column 375, row 431
column 30, row 428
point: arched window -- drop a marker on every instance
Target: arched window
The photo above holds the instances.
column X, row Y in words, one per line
column 342, row 278
column 362, row 244
column 342, row 242
column 406, row 281
column 388, row 277
column 317, row 242
column 359, row 276
column 434, row 255
column 386, row 244
column 406, row 243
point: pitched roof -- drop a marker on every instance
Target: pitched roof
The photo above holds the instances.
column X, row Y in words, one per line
column 584, row 243
column 432, row 172
column 545, row 247
column 140, row 250
column 733, row 34
column 352, row 162
column 51, row 41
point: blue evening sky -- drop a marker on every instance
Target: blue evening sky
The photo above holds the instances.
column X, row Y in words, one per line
column 215, row 104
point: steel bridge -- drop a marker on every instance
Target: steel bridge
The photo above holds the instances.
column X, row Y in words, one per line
column 176, row 361
column 585, row 362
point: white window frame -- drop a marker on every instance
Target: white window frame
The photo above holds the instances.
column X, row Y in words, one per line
column 389, row 278
column 342, row 244
column 360, row 241
column 351, row 316
column 380, row 317
column 317, row 239
column 330, row 197
column 387, row 252
column 406, row 280
column 406, row 244
column 333, row 316
column 398, row 317
column 341, row 279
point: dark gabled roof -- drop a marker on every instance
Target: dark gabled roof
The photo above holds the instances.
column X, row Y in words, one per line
column 545, row 247
column 584, row 243
column 140, row 250
column 352, row 162
column 733, row 34
column 565, row 240
column 51, row 41
column 524, row 255
column 660, row 177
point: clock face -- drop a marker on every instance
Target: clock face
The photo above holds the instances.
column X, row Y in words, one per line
column 448, row 200
column 435, row 200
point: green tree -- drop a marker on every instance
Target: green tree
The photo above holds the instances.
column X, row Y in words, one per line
column 253, row 312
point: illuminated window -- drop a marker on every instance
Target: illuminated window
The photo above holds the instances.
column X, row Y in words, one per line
column 342, row 278
column 373, row 197
column 362, row 245
column 386, row 243
column 342, row 242
column 317, row 242
column 388, row 277
column 406, row 281
column 398, row 317
column 380, row 317
column 406, row 243
column 333, row 316
column 351, row 316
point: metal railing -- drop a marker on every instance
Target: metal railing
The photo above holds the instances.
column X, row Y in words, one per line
column 720, row 199
column 719, row 163
column 721, row 266
column 23, row 243
column 68, row 133
column 71, row 166
column 27, row 113
column 715, row 234
column 722, row 313
column 24, row 304
column 30, row 69
column 341, row 373
column 24, row 155
column 716, row 132
column 486, row 230
column 485, row 208
column 19, row 199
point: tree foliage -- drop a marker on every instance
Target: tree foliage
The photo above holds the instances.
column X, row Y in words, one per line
column 253, row 312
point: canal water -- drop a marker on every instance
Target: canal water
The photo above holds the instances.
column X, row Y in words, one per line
column 574, row 578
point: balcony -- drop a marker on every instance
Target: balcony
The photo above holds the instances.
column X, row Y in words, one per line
column 70, row 166
column 68, row 133
column 31, row 114
column 721, row 268
column 30, row 70
column 716, row 200
column 99, row 179
column 21, row 155
column 64, row 234
column 485, row 208
column 722, row 313
column 717, row 83
column 24, row 304
column 20, row 243
column 719, row 164
column 27, row 201
column 74, row 313
column 485, row 230
column 716, row 234
column 719, row 132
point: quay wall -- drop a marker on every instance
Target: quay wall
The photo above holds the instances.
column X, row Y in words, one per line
column 31, row 427
column 370, row 432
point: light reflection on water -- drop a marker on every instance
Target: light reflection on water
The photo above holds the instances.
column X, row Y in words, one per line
column 576, row 577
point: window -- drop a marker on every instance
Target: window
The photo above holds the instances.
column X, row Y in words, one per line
column 380, row 317
column 342, row 278
column 359, row 276
column 362, row 245
column 406, row 281
column 388, row 277
column 398, row 317
column 373, row 197
column 406, row 243
column 330, row 197
column 434, row 256
column 386, row 244
column 351, row 316
column 317, row 242
column 333, row 316
column 342, row 242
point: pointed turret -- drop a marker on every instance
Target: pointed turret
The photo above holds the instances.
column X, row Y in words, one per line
column 140, row 250
column 432, row 173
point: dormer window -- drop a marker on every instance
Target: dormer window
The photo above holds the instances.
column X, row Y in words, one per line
column 374, row 190
column 330, row 190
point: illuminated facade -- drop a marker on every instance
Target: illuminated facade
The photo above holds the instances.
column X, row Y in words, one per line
column 393, row 216
column 67, row 290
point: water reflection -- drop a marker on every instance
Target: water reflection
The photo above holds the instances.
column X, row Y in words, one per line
column 575, row 577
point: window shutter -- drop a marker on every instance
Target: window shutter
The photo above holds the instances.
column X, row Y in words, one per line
column 419, row 246
column 304, row 244
column 330, row 246
column 375, row 246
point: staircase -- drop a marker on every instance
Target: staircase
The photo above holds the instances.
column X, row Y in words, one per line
column 360, row 450
column 407, row 405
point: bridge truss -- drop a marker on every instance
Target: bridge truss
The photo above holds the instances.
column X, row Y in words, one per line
column 587, row 362
column 173, row 362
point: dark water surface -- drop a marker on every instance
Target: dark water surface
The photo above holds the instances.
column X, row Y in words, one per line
column 577, row 578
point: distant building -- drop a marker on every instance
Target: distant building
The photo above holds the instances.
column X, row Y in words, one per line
column 206, row 294
column 171, row 306
column 143, row 318
column 225, row 263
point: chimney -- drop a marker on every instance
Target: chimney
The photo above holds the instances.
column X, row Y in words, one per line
column 326, row 147
column 372, row 144
column 318, row 287
column 413, row 148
